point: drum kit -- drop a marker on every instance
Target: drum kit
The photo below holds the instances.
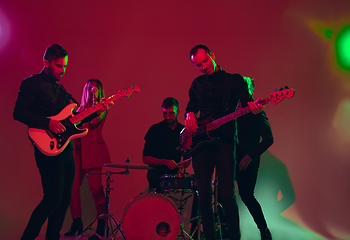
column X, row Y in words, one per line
column 151, row 215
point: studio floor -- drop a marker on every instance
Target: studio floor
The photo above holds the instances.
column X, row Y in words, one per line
column 249, row 232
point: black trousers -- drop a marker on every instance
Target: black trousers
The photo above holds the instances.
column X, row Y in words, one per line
column 57, row 176
column 220, row 155
column 246, row 181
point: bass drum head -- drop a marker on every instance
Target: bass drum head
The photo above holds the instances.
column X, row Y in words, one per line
column 151, row 216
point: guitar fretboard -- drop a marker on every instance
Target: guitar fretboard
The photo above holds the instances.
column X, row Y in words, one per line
column 87, row 112
column 186, row 135
column 225, row 119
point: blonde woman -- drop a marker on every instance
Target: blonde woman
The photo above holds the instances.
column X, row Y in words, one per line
column 90, row 153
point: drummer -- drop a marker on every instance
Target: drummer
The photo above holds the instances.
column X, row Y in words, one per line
column 162, row 147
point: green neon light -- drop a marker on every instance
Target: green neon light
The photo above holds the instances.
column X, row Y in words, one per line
column 342, row 48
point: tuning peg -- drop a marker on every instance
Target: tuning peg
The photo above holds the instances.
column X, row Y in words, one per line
column 276, row 90
column 281, row 89
column 286, row 87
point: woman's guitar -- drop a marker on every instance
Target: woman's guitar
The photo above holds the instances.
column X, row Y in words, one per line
column 191, row 141
column 52, row 144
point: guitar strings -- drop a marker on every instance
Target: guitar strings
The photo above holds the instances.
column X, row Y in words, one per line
column 187, row 134
column 204, row 128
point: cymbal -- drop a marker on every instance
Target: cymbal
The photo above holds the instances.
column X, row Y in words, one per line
column 128, row 165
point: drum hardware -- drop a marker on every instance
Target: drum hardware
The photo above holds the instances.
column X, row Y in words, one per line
column 180, row 184
column 128, row 165
column 180, row 203
column 195, row 221
column 217, row 205
column 110, row 221
column 197, row 228
column 177, row 183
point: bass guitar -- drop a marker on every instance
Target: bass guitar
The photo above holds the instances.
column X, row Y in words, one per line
column 52, row 144
column 190, row 142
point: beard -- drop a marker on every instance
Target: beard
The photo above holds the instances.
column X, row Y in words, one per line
column 170, row 122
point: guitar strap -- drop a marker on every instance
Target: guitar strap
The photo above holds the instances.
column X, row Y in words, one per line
column 68, row 94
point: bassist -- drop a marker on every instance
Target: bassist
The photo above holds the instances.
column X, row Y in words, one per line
column 210, row 94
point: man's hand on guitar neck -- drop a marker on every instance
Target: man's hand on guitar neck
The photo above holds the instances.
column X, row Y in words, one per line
column 255, row 106
column 56, row 127
column 191, row 122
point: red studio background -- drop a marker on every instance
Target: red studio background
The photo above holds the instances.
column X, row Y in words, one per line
column 304, row 180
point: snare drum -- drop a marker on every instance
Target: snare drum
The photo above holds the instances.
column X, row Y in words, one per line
column 173, row 182
column 151, row 216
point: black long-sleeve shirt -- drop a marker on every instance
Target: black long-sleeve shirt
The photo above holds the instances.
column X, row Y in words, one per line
column 206, row 96
column 39, row 97
column 255, row 136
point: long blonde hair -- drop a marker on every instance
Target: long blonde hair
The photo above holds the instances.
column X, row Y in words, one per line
column 85, row 98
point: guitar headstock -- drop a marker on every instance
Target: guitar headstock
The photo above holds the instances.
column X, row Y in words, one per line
column 126, row 92
column 281, row 94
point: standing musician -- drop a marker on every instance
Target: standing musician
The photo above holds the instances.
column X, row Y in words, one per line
column 90, row 153
column 162, row 147
column 40, row 97
column 255, row 137
column 211, row 94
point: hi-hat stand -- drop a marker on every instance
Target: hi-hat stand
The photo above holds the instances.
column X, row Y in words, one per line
column 110, row 222
column 217, row 205
column 180, row 204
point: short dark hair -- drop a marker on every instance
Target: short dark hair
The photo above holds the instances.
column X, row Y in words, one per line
column 169, row 102
column 194, row 50
column 54, row 52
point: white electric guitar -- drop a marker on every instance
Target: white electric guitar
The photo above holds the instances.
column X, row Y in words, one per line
column 52, row 144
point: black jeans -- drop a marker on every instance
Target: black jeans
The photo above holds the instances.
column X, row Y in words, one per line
column 219, row 155
column 246, row 181
column 57, row 176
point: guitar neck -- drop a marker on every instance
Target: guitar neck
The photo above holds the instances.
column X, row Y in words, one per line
column 87, row 112
column 225, row 119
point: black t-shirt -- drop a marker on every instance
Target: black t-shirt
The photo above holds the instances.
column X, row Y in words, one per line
column 162, row 142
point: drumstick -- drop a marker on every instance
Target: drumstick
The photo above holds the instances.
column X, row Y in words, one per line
column 184, row 162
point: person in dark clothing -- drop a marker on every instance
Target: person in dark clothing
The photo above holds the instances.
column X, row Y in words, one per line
column 162, row 147
column 40, row 97
column 254, row 138
column 213, row 94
